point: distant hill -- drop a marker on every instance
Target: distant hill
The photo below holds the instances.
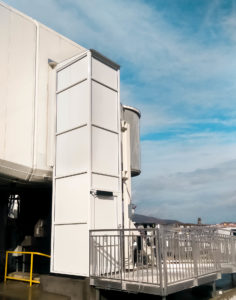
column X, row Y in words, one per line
column 141, row 219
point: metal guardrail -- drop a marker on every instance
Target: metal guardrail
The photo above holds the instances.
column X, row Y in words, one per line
column 159, row 257
column 30, row 280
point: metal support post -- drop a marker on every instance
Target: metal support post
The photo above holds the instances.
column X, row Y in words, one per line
column 31, row 268
column 213, row 289
column 121, row 255
column 23, row 262
column 159, row 258
column 162, row 260
column 98, row 295
column 195, row 259
column 90, row 255
column 232, row 251
column 6, row 262
column 163, row 237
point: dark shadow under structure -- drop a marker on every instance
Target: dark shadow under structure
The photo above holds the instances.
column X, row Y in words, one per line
column 25, row 221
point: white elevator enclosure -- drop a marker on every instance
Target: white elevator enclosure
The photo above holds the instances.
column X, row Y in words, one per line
column 87, row 158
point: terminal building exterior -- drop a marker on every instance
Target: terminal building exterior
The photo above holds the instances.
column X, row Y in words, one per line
column 68, row 151
column 68, row 147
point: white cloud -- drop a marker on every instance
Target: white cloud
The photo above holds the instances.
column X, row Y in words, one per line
column 208, row 193
column 188, row 153
column 186, row 179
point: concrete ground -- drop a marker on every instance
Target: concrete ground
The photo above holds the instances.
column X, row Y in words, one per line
column 16, row 290
column 229, row 295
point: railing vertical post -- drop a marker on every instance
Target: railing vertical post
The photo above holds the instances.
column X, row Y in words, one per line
column 159, row 258
column 232, row 250
column 214, row 253
column 195, row 257
column 90, row 253
column 31, row 267
column 220, row 254
column 227, row 250
column 164, row 259
column 6, row 262
column 121, row 255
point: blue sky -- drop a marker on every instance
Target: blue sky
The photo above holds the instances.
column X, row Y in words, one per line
column 178, row 61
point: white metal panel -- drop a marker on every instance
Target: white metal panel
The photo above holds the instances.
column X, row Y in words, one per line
column 74, row 73
column 72, row 194
column 105, row 212
column 71, row 248
column 106, row 183
column 24, row 92
column 72, row 152
column 104, row 106
column 91, row 150
column 4, row 42
column 57, row 48
column 72, row 107
column 104, row 152
column 17, row 67
column 104, row 74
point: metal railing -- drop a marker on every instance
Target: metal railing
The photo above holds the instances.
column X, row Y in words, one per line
column 30, row 279
column 160, row 256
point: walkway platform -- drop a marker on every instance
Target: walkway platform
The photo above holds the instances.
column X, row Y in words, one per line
column 135, row 286
column 159, row 261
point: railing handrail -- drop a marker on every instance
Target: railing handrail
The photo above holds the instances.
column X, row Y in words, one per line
column 28, row 252
column 123, row 229
column 31, row 253
column 204, row 229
